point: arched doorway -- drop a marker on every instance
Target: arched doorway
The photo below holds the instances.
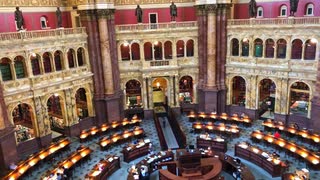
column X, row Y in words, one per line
column 133, row 94
column 238, row 91
column 160, row 88
column 56, row 114
column 299, row 98
column 267, row 90
column 186, row 89
column 23, row 120
column 81, row 103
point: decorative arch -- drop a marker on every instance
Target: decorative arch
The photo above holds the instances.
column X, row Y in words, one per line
column 23, row 120
column 5, row 67
column 310, row 49
column 125, row 51
column 296, row 52
column 186, row 89
column 168, row 50
column 46, row 59
column 58, row 58
column 56, row 111
column 71, row 58
column 283, row 10
column 190, row 48
column 81, row 55
column 245, row 47
column 258, row 47
column 35, row 64
column 281, row 48
column 309, row 9
column 300, row 95
column 133, row 93
column 238, row 90
column 148, row 54
column 270, row 45
column 160, row 90
column 135, row 51
column 267, row 94
column 157, row 49
column 180, row 48
column 82, row 103
column 235, row 47
column 20, row 67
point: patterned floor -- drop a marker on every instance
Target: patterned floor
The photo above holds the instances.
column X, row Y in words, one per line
column 148, row 125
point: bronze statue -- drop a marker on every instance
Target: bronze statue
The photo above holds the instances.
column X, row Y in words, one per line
column 252, row 8
column 139, row 14
column 19, row 18
column 293, row 6
column 173, row 11
column 59, row 17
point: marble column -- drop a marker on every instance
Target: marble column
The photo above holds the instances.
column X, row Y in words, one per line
column 218, row 44
column 211, row 47
column 202, row 46
column 150, row 95
column 145, row 93
column 105, row 50
column 171, row 94
column 315, row 106
column 176, row 91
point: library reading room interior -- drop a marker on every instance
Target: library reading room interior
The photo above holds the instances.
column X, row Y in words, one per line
column 160, row 89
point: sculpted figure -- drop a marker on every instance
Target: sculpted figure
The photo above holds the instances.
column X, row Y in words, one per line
column 173, row 11
column 139, row 14
column 19, row 18
column 293, row 6
column 59, row 17
column 252, row 8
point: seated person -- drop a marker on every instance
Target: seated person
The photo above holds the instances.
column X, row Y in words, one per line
column 12, row 166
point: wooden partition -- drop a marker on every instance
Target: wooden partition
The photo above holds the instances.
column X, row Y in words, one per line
column 163, row 142
column 176, row 128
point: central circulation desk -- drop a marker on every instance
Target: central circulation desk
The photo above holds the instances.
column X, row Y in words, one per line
column 108, row 166
column 135, row 151
column 271, row 164
column 216, row 144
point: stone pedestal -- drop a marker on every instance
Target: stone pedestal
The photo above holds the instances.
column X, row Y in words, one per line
column 112, row 108
column 281, row 117
column 8, row 149
column 209, row 100
column 73, row 130
column 315, row 117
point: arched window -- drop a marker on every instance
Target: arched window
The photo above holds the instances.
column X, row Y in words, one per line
column 57, row 60
column 260, row 12
column 81, row 103
column 296, row 52
column 23, row 117
column 235, row 47
column 180, row 48
column 267, row 91
column 245, row 47
column 283, row 11
column 238, row 91
column 71, row 58
column 270, row 48
column 190, row 46
column 157, row 50
column 19, row 66
column 5, row 69
column 168, row 50
column 186, row 89
column 258, row 48
column 299, row 98
column 310, row 49
column 47, row 62
column 125, row 51
column 81, row 56
column 281, row 48
column 35, row 64
column 148, row 55
column 43, row 22
column 133, row 94
column 135, row 51
column 309, row 10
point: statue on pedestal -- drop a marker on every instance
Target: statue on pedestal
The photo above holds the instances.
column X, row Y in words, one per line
column 293, row 6
column 173, row 11
column 19, row 18
column 139, row 14
column 59, row 17
column 252, row 8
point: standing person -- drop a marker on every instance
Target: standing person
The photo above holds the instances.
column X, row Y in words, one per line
column 139, row 14
column 19, row 18
column 293, row 6
column 59, row 17
column 252, row 8
column 277, row 134
column 173, row 11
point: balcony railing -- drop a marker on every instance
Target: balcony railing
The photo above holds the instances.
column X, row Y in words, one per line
column 156, row 26
column 276, row 21
column 40, row 34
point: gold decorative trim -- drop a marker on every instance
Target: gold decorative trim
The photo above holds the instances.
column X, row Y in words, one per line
column 31, row 3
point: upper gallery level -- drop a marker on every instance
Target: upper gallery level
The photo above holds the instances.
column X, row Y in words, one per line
column 33, row 60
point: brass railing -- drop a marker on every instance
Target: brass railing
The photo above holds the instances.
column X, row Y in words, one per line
column 156, row 26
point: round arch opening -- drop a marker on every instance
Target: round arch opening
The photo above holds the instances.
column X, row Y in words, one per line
column 299, row 99
column 238, row 91
column 267, row 91
column 186, row 90
column 23, row 120
column 133, row 94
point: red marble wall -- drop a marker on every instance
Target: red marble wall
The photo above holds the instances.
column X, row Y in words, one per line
column 32, row 20
column 272, row 9
column 128, row 16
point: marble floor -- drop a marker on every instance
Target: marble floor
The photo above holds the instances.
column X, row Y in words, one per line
column 148, row 125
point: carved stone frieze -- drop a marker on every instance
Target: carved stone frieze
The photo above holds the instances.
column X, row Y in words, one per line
column 105, row 13
column 211, row 8
column 30, row 3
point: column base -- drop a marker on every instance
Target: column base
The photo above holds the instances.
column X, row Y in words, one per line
column 113, row 108
column 45, row 140
column 100, row 117
column 8, row 149
column 212, row 100
column 73, row 130
column 315, row 120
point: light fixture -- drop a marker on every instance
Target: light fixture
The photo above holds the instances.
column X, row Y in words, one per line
column 245, row 40
column 33, row 54
column 313, row 40
column 126, row 43
column 158, row 84
column 156, row 43
column 56, row 94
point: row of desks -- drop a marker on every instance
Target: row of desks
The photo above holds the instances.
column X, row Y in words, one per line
column 309, row 156
column 104, row 168
column 209, row 127
column 34, row 159
column 213, row 116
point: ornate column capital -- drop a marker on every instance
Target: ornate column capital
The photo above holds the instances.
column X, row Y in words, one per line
column 211, row 8
column 87, row 14
column 105, row 13
column 201, row 10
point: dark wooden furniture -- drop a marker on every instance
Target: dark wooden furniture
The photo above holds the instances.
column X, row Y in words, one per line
column 105, row 168
column 234, row 118
column 221, row 128
column 176, row 128
column 33, row 160
column 163, row 142
column 214, row 143
column 188, row 158
column 133, row 152
column 272, row 165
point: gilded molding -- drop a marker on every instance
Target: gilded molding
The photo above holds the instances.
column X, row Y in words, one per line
column 201, row 10
column 134, row 2
column 105, row 13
